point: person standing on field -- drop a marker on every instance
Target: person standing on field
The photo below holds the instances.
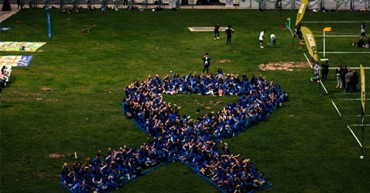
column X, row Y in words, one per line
column 216, row 32
column 206, row 62
column 229, row 32
column 261, row 38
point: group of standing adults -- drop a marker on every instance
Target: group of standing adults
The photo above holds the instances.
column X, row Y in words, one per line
column 347, row 78
column 228, row 31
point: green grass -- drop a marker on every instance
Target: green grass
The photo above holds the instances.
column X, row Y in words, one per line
column 303, row 147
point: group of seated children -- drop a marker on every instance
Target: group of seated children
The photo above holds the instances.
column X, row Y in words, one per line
column 180, row 138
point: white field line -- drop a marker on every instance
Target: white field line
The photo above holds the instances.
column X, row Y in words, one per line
column 337, row 36
column 307, row 59
column 358, row 141
column 361, row 115
column 353, row 99
column 356, row 68
column 345, row 52
column 291, row 32
column 359, row 125
column 324, row 87
column 346, row 93
column 335, row 21
column 335, row 106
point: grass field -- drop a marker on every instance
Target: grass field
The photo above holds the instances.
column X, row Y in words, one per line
column 303, row 147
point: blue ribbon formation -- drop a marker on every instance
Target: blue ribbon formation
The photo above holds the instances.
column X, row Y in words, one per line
column 180, row 138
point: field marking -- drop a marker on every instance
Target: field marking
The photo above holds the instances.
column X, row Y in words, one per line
column 348, row 93
column 335, row 106
column 353, row 99
column 307, row 59
column 337, row 36
column 358, row 141
column 335, row 21
column 324, row 87
column 345, row 52
column 356, row 68
column 361, row 115
column 359, row 125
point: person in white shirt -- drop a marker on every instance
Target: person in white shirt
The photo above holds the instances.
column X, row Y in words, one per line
column 273, row 40
column 262, row 36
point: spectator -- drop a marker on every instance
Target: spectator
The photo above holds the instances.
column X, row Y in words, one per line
column 216, row 32
column 229, row 32
column 206, row 62
column 325, row 70
column 261, row 38
column 338, row 72
column 349, row 81
column 273, row 40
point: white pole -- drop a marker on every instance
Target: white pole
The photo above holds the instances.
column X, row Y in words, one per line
column 323, row 35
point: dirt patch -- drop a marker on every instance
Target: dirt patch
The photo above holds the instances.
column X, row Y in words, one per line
column 223, row 61
column 55, row 155
column 45, row 89
column 286, row 66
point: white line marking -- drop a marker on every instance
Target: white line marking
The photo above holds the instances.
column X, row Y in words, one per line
column 359, row 125
column 335, row 106
column 345, row 52
column 352, row 99
column 346, row 93
column 356, row 68
column 324, row 87
column 335, row 21
column 361, row 115
column 307, row 59
column 358, row 141
column 337, row 36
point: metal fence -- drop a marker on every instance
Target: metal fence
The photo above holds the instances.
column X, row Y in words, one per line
column 319, row 5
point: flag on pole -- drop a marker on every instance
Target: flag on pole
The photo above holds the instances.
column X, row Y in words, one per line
column 301, row 10
column 327, row 29
column 363, row 97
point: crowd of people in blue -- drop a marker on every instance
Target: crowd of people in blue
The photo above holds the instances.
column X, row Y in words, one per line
column 174, row 137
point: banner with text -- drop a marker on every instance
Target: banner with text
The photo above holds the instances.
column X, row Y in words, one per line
column 310, row 42
column 301, row 11
column 15, row 60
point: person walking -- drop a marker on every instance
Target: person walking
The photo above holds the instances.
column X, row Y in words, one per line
column 261, row 38
column 206, row 62
column 273, row 40
column 229, row 32
column 216, row 32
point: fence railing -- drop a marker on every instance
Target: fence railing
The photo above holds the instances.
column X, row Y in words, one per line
column 319, row 5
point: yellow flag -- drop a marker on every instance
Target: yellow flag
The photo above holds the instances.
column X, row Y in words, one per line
column 310, row 42
column 301, row 10
column 363, row 97
column 327, row 29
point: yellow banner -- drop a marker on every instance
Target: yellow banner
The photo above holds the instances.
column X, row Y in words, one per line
column 301, row 10
column 363, row 97
column 310, row 42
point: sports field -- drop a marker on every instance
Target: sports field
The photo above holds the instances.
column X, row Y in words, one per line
column 69, row 97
